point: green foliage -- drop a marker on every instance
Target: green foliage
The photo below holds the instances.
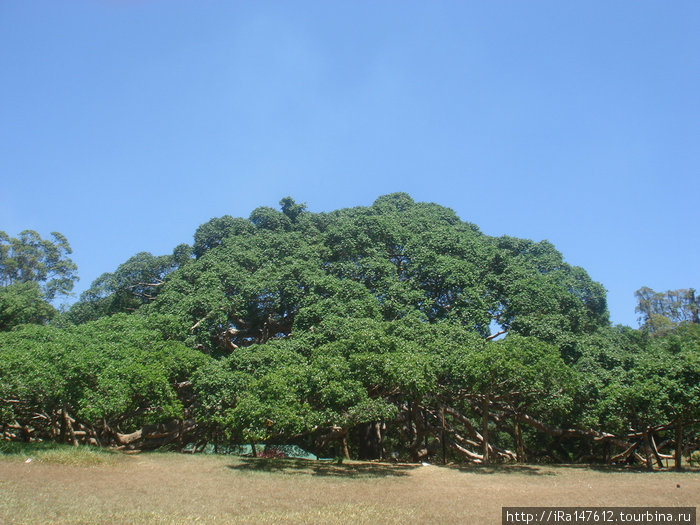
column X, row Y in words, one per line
column 118, row 371
column 23, row 303
column 291, row 209
column 211, row 234
column 286, row 271
column 135, row 282
column 544, row 297
column 660, row 312
column 33, row 271
column 29, row 258
column 631, row 381
column 522, row 371
column 266, row 218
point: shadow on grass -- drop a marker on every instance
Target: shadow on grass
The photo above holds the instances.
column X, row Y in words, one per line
column 637, row 469
column 322, row 468
column 528, row 470
column 551, row 469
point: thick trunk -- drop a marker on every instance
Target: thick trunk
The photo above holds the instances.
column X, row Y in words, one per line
column 647, row 449
column 128, row 439
column 339, row 435
column 370, row 441
column 346, row 452
column 442, row 436
column 418, row 432
column 624, row 456
column 468, row 454
column 485, row 428
column 518, row 434
column 69, row 426
column 152, row 436
column 679, row 445
column 63, row 429
column 655, row 450
column 380, row 427
column 425, row 427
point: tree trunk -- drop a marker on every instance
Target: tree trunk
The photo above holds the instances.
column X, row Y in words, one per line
column 679, row 445
column 69, row 426
column 381, row 427
column 254, row 451
column 442, row 436
column 485, row 428
column 369, row 440
column 647, row 449
column 655, row 450
column 346, row 452
column 63, row 429
column 519, row 447
column 425, row 429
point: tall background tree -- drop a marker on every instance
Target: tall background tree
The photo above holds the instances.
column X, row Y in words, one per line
column 661, row 311
column 33, row 272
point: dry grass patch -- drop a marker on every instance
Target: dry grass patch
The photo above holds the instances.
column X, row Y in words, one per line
column 51, row 453
column 174, row 489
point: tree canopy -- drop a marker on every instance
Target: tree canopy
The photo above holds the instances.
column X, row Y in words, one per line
column 393, row 259
column 395, row 329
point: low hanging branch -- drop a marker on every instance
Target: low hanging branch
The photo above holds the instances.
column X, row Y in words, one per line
column 497, row 410
column 153, row 436
column 573, row 432
column 460, row 443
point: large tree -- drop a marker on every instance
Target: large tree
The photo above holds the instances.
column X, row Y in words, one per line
column 392, row 329
column 33, row 271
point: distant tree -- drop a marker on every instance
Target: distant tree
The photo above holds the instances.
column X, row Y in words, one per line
column 661, row 311
column 29, row 258
column 33, row 271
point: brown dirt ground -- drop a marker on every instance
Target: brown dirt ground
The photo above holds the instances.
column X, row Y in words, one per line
column 174, row 489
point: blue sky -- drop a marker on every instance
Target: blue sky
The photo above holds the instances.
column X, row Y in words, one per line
column 126, row 124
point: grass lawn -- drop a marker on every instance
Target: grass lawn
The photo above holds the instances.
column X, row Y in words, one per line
column 67, row 486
